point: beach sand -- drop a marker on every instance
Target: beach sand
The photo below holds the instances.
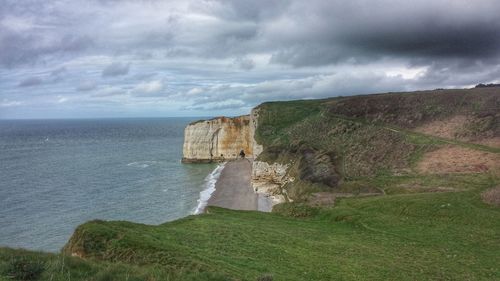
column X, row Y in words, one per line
column 233, row 189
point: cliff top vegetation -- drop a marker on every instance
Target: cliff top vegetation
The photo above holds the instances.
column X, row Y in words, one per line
column 364, row 139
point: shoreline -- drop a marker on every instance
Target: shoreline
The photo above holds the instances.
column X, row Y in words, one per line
column 210, row 183
column 233, row 189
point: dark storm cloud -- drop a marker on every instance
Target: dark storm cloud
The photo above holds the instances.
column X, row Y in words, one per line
column 115, row 69
column 23, row 47
column 432, row 39
column 360, row 31
column 460, row 72
column 298, row 33
column 230, row 54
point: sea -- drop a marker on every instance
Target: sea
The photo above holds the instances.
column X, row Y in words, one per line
column 58, row 174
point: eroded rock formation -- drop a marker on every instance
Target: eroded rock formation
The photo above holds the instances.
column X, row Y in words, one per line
column 254, row 117
column 217, row 139
column 268, row 179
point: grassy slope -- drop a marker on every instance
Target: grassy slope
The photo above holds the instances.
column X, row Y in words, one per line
column 439, row 236
column 64, row 268
column 365, row 137
column 406, row 235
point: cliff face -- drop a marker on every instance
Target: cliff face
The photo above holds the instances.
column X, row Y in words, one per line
column 223, row 138
column 269, row 179
column 218, row 139
column 254, row 117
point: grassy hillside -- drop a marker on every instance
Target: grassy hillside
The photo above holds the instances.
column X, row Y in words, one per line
column 411, row 110
column 426, row 236
column 373, row 136
column 18, row 264
column 428, row 222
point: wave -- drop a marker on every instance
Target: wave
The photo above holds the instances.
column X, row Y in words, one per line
column 141, row 164
column 206, row 193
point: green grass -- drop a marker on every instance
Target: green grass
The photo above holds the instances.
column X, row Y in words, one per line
column 426, row 236
column 276, row 117
column 418, row 183
column 355, row 148
column 64, row 268
column 431, row 236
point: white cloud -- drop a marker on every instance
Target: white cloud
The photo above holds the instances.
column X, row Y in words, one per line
column 194, row 91
column 150, row 87
column 10, row 103
column 61, row 99
column 18, row 24
column 109, row 91
column 217, row 105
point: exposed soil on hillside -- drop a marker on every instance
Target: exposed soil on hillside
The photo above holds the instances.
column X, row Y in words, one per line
column 462, row 128
column 492, row 196
column 443, row 128
column 322, row 199
column 439, row 112
column 454, row 159
column 492, row 142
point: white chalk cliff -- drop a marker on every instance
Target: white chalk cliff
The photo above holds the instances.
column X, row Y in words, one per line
column 222, row 138
column 217, row 139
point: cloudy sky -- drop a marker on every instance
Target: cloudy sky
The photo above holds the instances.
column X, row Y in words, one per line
column 111, row 58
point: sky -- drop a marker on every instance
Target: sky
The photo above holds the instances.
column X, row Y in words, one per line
column 126, row 58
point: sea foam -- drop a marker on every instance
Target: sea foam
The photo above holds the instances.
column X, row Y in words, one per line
column 141, row 164
column 206, row 193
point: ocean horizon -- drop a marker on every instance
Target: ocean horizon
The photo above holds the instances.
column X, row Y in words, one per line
column 59, row 173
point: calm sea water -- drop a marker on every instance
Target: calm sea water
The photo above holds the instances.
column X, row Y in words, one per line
column 57, row 174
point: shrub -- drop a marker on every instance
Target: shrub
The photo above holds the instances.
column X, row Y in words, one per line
column 295, row 210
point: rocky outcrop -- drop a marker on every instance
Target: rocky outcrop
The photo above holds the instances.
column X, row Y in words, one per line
column 254, row 118
column 268, row 179
column 317, row 167
column 217, row 139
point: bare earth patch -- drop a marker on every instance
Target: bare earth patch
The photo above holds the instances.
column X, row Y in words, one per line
column 492, row 142
column 416, row 187
column 322, row 199
column 453, row 159
column 492, row 196
column 448, row 128
column 443, row 128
